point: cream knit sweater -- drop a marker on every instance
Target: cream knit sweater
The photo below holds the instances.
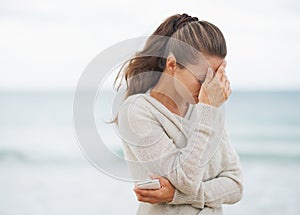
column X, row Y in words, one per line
column 204, row 169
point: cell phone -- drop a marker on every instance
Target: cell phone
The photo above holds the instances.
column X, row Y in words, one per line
column 152, row 184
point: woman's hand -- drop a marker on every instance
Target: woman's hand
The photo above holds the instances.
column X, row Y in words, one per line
column 216, row 89
column 163, row 195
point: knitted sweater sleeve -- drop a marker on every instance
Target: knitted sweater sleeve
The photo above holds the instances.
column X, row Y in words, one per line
column 226, row 188
column 155, row 151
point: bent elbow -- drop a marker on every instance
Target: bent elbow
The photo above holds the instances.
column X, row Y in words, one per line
column 238, row 195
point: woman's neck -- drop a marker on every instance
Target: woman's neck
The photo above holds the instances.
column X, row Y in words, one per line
column 165, row 92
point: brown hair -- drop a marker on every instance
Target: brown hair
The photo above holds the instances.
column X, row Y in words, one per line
column 201, row 35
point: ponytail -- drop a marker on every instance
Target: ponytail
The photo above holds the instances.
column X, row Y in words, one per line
column 143, row 70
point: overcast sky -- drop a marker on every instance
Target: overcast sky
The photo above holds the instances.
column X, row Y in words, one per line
column 48, row 44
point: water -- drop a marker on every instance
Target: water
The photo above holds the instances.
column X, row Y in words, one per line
column 42, row 170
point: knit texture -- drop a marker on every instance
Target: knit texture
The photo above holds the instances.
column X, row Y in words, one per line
column 204, row 169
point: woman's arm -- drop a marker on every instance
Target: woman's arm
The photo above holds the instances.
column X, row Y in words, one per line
column 157, row 153
column 226, row 188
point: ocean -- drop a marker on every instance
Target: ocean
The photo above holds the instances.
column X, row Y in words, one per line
column 43, row 171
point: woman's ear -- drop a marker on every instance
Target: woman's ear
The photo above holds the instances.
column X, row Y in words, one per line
column 171, row 63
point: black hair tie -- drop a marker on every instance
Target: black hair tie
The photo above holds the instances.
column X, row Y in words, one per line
column 182, row 20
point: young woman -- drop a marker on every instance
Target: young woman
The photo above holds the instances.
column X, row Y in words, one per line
column 168, row 116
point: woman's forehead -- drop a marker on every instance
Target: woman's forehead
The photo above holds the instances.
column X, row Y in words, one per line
column 205, row 62
column 214, row 62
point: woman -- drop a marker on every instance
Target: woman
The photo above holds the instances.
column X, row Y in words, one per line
column 167, row 121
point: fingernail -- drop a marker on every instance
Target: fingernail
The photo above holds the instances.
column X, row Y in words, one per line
column 210, row 72
column 154, row 176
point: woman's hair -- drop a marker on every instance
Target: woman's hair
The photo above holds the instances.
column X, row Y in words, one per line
column 143, row 70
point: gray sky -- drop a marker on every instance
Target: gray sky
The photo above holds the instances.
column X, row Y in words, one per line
column 47, row 44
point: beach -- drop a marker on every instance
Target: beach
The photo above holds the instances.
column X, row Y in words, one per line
column 43, row 170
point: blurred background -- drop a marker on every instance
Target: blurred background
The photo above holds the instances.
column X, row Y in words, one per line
column 46, row 45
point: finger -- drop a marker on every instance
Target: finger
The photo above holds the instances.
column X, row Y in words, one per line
column 224, row 80
column 224, row 63
column 148, row 193
column 227, row 84
column 220, row 73
column 224, row 77
column 209, row 75
column 163, row 181
column 157, row 177
column 142, row 198
column 227, row 91
column 225, row 94
column 153, row 176
column 147, row 199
